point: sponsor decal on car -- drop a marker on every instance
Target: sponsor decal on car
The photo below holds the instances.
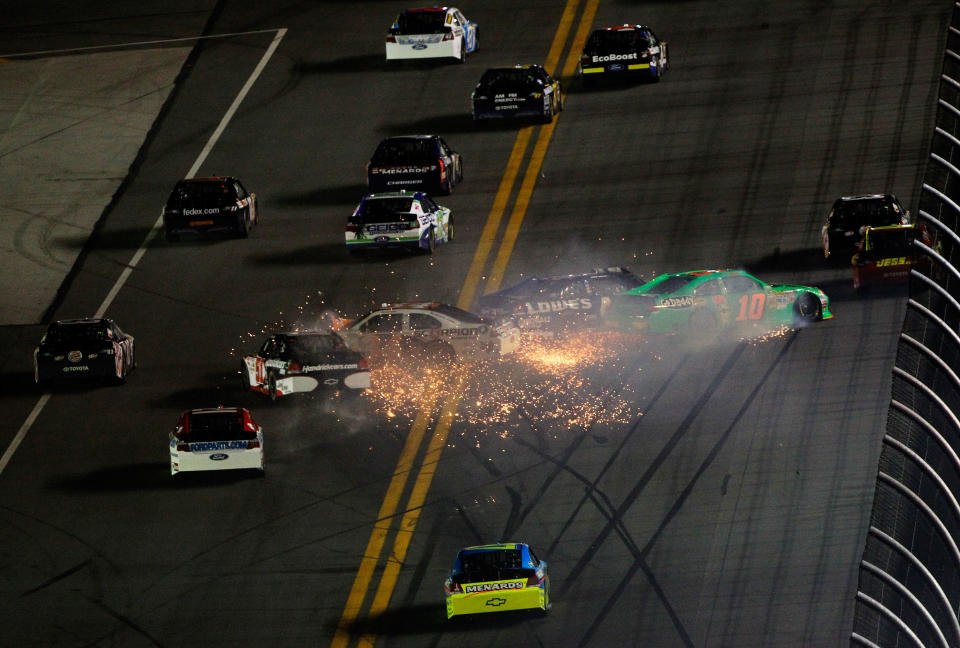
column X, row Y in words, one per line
column 328, row 367
column 420, row 45
column 534, row 308
column 615, row 57
column 892, row 261
column 677, row 302
column 218, row 456
column 387, row 227
column 202, row 446
column 201, row 212
column 402, row 169
column 494, row 587
column 76, row 368
column 496, row 601
column 75, row 356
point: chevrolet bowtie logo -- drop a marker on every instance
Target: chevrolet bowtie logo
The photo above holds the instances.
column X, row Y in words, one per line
column 496, row 602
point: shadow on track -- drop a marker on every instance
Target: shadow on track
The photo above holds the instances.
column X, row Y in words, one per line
column 430, row 619
column 324, row 197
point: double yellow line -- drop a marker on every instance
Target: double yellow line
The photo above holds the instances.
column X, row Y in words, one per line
column 488, row 237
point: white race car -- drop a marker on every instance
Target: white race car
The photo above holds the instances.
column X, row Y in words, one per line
column 436, row 330
column 216, row 438
column 431, row 32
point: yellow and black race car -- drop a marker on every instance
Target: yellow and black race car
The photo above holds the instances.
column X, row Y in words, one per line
column 497, row 578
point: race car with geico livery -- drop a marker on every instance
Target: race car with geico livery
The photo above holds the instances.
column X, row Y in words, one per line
column 304, row 361
column 625, row 51
column 517, row 91
column 428, row 330
column 414, row 162
column 206, row 205
column 551, row 303
column 702, row 302
column 410, row 220
column 216, row 438
column 77, row 349
column 497, row 578
column 431, row 32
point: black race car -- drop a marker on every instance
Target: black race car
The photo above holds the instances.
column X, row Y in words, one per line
column 293, row 362
column 547, row 304
column 625, row 51
column 414, row 162
column 214, row 204
column 842, row 232
column 83, row 348
column 517, row 91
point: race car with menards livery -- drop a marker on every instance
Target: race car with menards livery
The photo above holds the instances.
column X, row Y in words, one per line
column 625, row 51
column 497, row 578
column 403, row 219
column 414, row 162
column 76, row 349
column 556, row 302
column 206, row 205
column 428, row 330
column 517, row 91
column 431, row 32
column 304, row 361
column 703, row 302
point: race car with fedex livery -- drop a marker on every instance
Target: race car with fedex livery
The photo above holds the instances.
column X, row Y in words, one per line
column 216, row 438
column 517, row 91
column 626, row 51
column 842, row 232
column 431, row 32
column 497, row 578
column 205, row 205
column 410, row 220
column 304, row 361
column 705, row 301
column 430, row 330
column 555, row 302
column 414, row 162
column 887, row 254
column 92, row 347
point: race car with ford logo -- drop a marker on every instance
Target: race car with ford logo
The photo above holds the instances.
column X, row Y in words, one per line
column 497, row 578
column 703, row 302
column 81, row 349
column 429, row 330
column 304, row 361
column 216, row 204
column 216, row 438
column 620, row 52
column 414, row 162
column 552, row 303
column 517, row 91
column 431, row 32
column 410, row 220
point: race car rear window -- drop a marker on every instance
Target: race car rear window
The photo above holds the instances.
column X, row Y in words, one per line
column 898, row 242
column 312, row 348
column 218, row 426
column 79, row 332
column 670, row 284
column 508, row 77
column 207, row 193
column 420, row 22
column 858, row 213
column 603, row 43
column 405, row 150
column 497, row 564
column 387, row 210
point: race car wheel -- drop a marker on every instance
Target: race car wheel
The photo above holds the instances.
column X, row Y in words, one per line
column 272, row 387
column 659, row 70
column 463, row 51
column 431, row 241
column 807, row 308
column 244, row 377
column 450, row 229
column 243, row 226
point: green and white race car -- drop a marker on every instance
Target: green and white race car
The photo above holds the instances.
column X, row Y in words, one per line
column 703, row 301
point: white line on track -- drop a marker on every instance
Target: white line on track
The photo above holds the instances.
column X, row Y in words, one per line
column 162, row 41
column 158, row 225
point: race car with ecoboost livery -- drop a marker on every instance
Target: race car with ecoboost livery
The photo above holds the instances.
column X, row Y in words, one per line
column 414, row 162
column 216, row 438
column 705, row 301
column 431, row 32
column 517, row 91
column 556, row 302
column 887, row 254
column 304, row 361
column 77, row 349
column 410, row 220
column 207, row 205
column 625, row 51
column 497, row 578
column 429, row 329
column 842, row 232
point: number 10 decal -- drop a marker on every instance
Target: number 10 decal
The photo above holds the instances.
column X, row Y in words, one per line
column 751, row 306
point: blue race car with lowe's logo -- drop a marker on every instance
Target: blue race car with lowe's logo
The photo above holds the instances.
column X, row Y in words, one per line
column 497, row 578
column 410, row 220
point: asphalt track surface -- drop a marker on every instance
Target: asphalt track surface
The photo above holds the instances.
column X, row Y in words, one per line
column 684, row 495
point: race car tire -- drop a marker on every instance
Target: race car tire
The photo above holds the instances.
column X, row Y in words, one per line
column 446, row 187
column 459, row 173
column 463, row 51
column 243, row 226
column 170, row 235
column 559, row 99
column 807, row 308
column 659, row 71
column 431, row 241
column 272, row 387
column 450, row 229
column 245, row 377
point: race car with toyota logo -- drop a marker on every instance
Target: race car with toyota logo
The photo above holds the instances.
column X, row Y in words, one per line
column 216, row 438
column 304, row 361
column 621, row 52
column 703, row 302
column 552, row 303
column 517, row 91
column 431, row 32
column 429, row 330
column 414, row 162
column 497, row 578
column 410, row 220
column 217, row 204
column 84, row 348
column 842, row 232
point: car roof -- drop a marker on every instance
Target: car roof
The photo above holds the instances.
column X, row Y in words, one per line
column 494, row 547
column 416, row 195
column 214, row 178
column 216, row 410
column 625, row 27
column 868, row 197
column 411, row 136
column 83, row 320
column 434, row 8
column 518, row 66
